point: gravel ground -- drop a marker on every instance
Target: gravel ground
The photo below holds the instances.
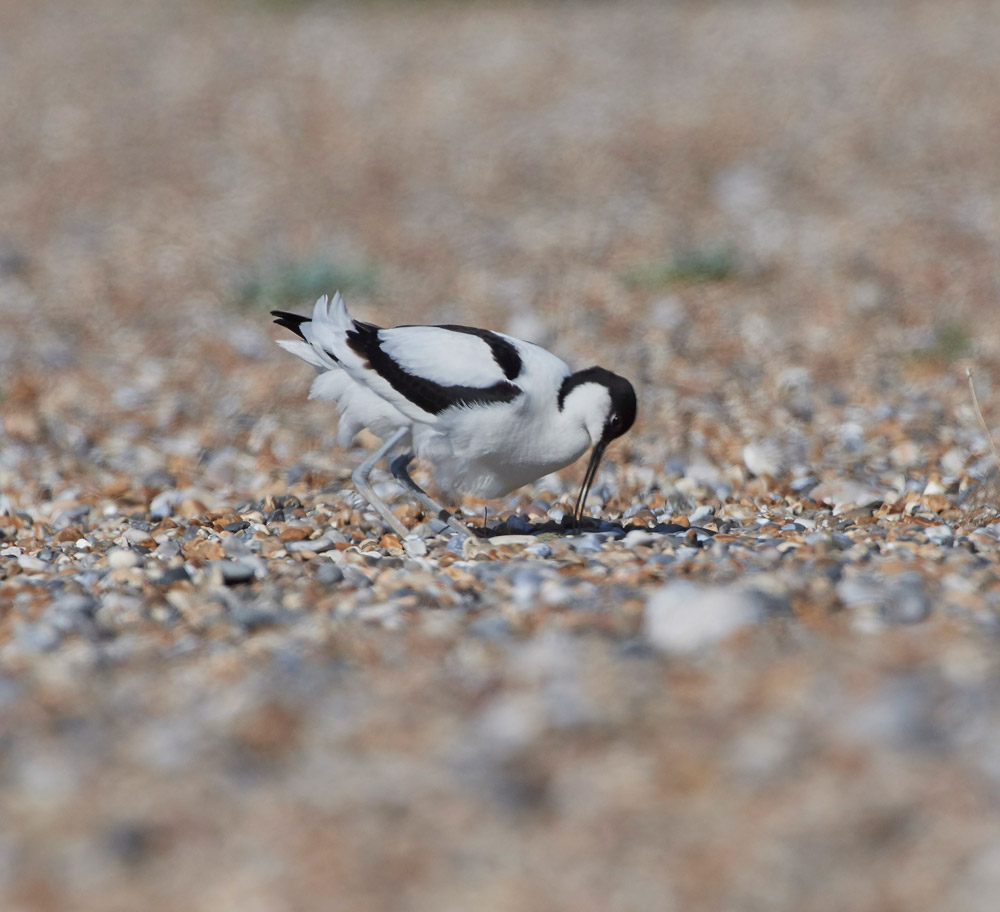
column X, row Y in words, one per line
column 765, row 677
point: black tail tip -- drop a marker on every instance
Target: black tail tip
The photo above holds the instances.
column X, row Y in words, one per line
column 290, row 321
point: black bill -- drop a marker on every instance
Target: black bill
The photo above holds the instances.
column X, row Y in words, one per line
column 588, row 479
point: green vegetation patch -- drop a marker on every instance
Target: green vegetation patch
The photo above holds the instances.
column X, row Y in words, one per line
column 295, row 282
column 709, row 264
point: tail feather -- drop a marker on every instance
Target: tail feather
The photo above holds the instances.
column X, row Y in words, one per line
column 318, row 333
column 308, row 353
column 290, row 321
column 330, row 324
column 321, row 336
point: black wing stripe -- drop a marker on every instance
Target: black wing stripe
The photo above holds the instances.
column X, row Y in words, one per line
column 425, row 394
column 504, row 352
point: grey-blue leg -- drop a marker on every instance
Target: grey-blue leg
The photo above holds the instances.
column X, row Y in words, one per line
column 400, row 470
column 360, row 478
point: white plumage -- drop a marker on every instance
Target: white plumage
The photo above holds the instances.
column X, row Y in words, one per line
column 489, row 412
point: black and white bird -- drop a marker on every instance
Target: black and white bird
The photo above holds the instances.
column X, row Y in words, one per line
column 489, row 412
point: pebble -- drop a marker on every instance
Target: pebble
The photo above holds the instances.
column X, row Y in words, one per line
column 638, row 537
column 763, row 457
column 701, row 515
column 684, row 617
column 32, row 564
column 414, row 546
column 330, row 573
column 71, row 516
column 517, row 524
column 164, row 503
column 539, row 550
column 355, row 578
column 316, row 545
column 490, row 627
column 940, row 535
column 588, row 543
column 123, row 559
column 235, row 571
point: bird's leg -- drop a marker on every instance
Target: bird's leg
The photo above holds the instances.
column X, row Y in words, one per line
column 399, row 467
column 360, row 478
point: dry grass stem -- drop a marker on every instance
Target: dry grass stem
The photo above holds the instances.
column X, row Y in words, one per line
column 982, row 420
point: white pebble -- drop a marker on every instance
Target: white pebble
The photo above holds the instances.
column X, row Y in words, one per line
column 414, row 546
column 122, row 559
column 704, row 513
column 683, row 617
column 763, row 457
column 31, row 563
column 637, row 537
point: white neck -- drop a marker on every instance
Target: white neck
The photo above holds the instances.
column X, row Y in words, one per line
column 587, row 406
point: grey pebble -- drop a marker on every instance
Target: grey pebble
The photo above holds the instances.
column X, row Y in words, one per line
column 71, row 612
column 541, row 550
column 235, row 571
column 842, row 542
column 237, row 546
column 91, row 577
column 701, row 514
column 163, row 504
column 319, row 545
column 589, row 543
column 354, row 577
column 172, row 575
column 40, row 637
column 71, row 516
column 939, row 535
column 168, row 549
column 253, row 615
column 517, row 523
column 490, row 627
column 133, row 535
column 330, row 573
column 906, row 601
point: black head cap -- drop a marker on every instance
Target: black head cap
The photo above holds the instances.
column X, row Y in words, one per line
column 622, row 393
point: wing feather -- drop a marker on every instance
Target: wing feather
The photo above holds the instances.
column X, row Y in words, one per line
column 444, row 356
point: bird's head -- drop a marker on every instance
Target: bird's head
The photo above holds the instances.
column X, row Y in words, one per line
column 606, row 404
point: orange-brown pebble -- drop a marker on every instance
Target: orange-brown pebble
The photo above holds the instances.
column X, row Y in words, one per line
column 198, row 549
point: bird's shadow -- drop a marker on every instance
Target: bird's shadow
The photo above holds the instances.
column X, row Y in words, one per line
column 569, row 526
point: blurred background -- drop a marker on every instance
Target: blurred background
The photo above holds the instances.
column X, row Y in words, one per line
column 753, row 208
column 779, row 217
